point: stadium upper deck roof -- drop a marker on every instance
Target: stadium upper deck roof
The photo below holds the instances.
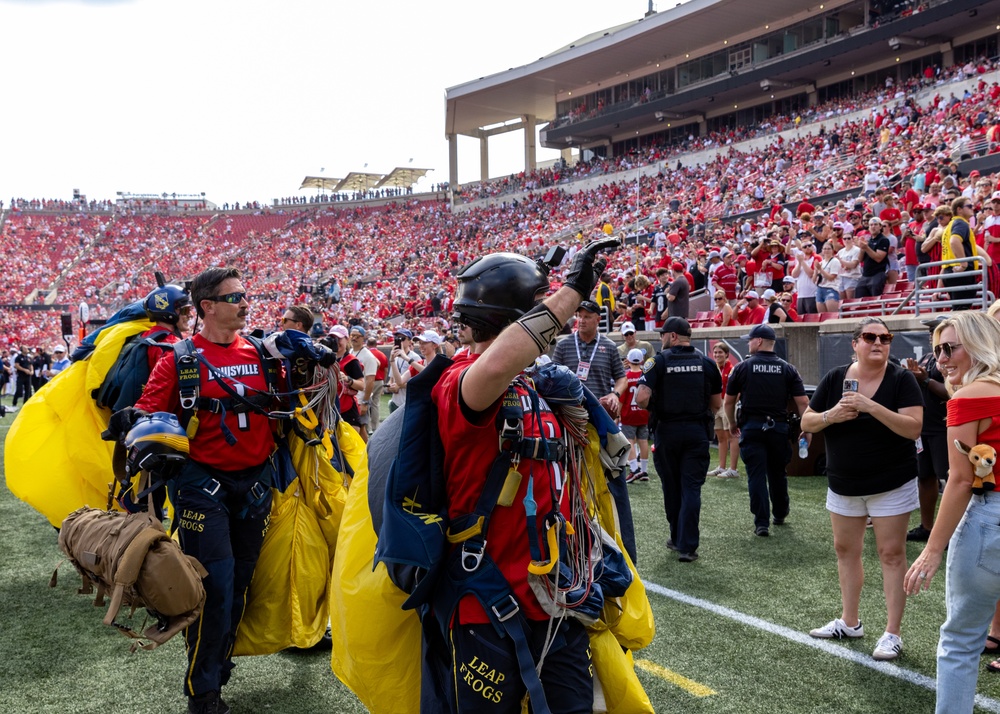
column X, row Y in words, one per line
column 522, row 96
column 607, row 55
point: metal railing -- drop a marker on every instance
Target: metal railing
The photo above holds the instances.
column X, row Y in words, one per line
column 924, row 297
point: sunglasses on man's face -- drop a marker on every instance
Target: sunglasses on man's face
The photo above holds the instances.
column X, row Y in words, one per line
column 870, row 337
column 231, row 298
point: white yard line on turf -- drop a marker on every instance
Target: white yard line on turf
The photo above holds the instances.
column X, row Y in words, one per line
column 887, row 668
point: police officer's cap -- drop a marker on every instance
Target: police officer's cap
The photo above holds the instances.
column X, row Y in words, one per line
column 678, row 325
column 762, row 331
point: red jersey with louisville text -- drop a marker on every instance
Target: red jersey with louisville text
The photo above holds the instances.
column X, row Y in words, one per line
column 632, row 413
column 241, row 365
column 469, row 452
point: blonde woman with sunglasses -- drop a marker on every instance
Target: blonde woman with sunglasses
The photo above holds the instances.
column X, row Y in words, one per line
column 871, row 413
column 967, row 348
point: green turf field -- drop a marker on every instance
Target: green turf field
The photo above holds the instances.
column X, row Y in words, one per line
column 730, row 628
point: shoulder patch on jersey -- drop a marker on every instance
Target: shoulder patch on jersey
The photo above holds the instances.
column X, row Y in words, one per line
column 648, row 364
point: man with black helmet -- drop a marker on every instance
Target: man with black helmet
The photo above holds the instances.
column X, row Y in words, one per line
column 496, row 298
column 682, row 389
column 763, row 383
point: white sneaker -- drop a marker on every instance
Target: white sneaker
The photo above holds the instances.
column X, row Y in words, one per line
column 889, row 646
column 732, row 473
column 716, row 472
column 838, row 629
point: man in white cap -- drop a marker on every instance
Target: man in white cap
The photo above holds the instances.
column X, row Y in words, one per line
column 352, row 378
column 631, row 342
column 635, row 419
column 59, row 361
column 749, row 311
column 370, row 366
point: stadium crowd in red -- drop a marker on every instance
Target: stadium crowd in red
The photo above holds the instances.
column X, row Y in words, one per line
column 395, row 262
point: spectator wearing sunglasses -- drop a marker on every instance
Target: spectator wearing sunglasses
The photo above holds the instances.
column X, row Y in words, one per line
column 959, row 243
column 870, row 412
column 967, row 348
column 223, row 492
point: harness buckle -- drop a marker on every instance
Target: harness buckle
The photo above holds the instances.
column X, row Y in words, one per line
column 189, row 398
column 511, row 431
column 511, row 609
column 471, row 560
column 211, row 489
column 258, row 491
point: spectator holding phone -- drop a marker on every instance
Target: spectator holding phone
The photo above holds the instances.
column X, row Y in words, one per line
column 870, row 412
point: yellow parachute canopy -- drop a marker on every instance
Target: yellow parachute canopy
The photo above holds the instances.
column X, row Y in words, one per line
column 376, row 644
column 54, row 458
column 287, row 604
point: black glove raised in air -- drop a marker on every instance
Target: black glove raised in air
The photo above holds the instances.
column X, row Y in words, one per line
column 584, row 271
column 122, row 422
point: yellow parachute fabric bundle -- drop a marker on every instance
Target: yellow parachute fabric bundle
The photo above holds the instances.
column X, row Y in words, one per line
column 622, row 692
column 287, row 603
column 630, row 618
column 54, row 458
column 376, row 644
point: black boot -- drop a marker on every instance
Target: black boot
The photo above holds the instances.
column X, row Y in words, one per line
column 207, row 703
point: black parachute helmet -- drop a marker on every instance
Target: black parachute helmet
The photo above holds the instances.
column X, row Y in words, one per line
column 496, row 289
column 164, row 304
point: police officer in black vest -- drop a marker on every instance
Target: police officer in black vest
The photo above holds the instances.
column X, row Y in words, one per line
column 763, row 383
column 682, row 388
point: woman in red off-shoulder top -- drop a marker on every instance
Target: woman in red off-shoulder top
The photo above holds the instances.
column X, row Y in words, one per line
column 967, row 347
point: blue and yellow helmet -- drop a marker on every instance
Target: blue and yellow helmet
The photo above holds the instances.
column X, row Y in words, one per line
column 164, row 304
column 158, row 444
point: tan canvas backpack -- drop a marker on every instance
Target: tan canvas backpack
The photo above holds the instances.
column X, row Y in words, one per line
column 129, row 557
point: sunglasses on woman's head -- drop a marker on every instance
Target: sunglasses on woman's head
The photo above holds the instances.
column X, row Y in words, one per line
column 870, row 337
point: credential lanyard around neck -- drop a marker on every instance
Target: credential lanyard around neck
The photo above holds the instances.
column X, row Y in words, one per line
column 579, row 357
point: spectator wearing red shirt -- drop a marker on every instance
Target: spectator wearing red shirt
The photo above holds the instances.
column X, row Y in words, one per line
column 912, row 237
column 749, row 311
column 890, row 215
column 991, row 229
column 726, row 275
column 635, row 419
column 910, row 198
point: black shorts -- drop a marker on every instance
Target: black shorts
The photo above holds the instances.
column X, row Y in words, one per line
column 352, row 416
column 932, row 462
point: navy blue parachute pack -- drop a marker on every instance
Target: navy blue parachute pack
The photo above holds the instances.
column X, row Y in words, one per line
column 416, row 538
column 123, row 384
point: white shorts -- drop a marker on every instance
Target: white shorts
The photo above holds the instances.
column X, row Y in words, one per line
column 889, row 503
